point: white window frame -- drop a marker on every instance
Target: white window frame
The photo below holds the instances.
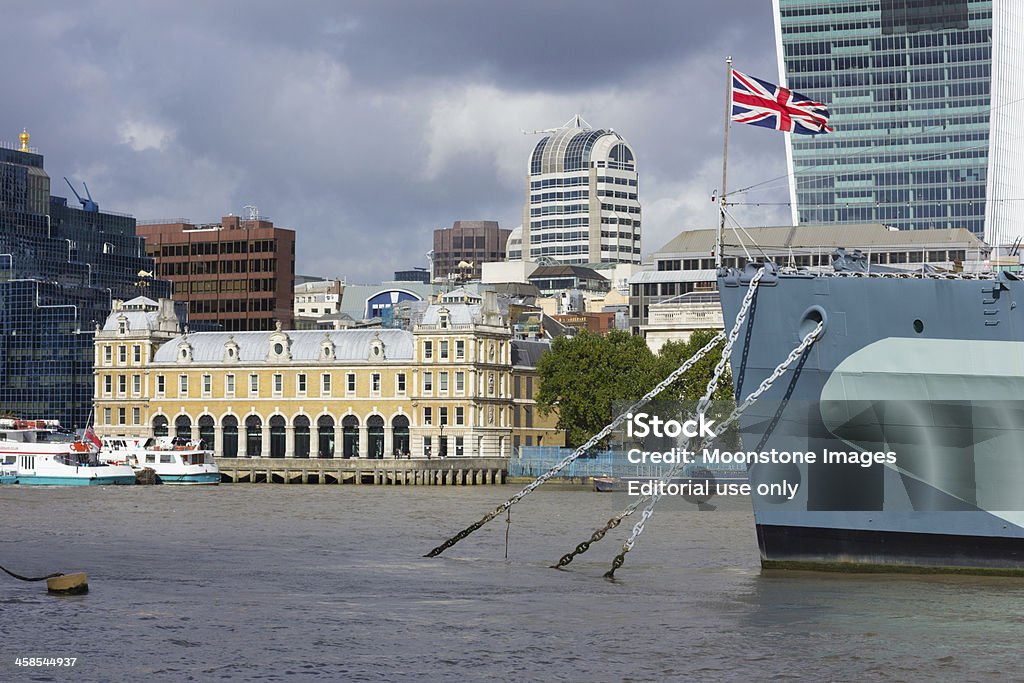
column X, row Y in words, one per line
column 229, row 385
column 254, row 384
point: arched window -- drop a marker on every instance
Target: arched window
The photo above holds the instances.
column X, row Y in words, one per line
column 183, row 427
column 230, row 429
column 350, row 436
column 160, row 426
column 253, row 436
column 301, row 436
column 277, row 438
column 325, row 436
column 375, row 434
column 400, row 434
column 206, row 431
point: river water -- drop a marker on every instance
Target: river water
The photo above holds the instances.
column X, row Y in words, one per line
column 273, row 582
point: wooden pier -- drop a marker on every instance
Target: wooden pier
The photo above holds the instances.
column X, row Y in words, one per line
column 361, row 471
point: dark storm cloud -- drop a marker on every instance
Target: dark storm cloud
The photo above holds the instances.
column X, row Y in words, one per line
column 365, row 125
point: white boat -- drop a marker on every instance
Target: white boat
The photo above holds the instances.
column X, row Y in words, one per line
column 39, row 452
column 175, row 460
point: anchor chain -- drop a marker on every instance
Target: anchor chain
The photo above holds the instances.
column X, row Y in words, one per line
column 780, row 370
column 749, row 301
column 594, row 538
column 593, row 441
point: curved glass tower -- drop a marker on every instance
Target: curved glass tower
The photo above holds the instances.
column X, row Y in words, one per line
column 581, row 198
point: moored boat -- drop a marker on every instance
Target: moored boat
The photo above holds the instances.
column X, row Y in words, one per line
column 40, row 452
column 8, row 469
column 175, row 460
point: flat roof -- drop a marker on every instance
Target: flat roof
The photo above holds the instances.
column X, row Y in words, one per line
column 811, row 238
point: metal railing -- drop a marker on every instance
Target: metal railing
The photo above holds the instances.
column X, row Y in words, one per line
column 532, row 461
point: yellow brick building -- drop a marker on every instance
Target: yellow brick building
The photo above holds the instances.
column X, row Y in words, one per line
column 457, row 385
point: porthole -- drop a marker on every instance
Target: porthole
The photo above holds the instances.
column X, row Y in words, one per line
column 918, row 326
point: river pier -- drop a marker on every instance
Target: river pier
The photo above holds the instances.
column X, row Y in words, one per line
column 458, row 471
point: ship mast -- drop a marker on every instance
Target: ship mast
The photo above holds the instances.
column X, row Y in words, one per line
column 719, row 238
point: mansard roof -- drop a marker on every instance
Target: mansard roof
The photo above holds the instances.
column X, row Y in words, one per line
column 349, row 345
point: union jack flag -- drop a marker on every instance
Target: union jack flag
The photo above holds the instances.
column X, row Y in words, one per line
column 761, row 103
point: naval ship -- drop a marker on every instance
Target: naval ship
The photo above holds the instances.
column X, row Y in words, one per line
column 927, row 367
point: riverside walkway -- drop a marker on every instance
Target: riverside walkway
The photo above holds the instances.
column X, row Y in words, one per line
column 452, row 471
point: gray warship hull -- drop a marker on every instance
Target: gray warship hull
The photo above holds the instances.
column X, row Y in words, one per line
column 929, row 369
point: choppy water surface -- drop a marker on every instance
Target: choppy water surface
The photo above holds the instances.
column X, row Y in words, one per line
column 329, row 583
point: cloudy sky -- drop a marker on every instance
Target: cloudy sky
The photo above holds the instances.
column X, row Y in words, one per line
column 365, row 125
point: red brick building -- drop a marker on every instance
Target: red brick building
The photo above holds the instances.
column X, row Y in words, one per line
column 598, row 323
column 238, row 273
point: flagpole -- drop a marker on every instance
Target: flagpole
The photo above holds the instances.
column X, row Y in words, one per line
column 725, row 156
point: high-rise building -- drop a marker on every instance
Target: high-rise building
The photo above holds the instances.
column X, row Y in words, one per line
column 60, row 268
column 925, row 99
column 460, row 251
column 239, row 273
column 581, row 198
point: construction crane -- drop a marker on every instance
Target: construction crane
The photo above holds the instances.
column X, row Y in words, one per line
column 87, row 204
column 575, row 122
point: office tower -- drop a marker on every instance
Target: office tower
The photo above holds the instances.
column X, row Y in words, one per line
column 60, row 268
column 581, row 197
column 461, row 250
column 925, row 99
column 238, row 273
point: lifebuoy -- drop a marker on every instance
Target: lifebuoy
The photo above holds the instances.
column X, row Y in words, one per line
column 79, row 447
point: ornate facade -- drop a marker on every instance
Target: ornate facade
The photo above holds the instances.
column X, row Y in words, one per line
column 448, row 388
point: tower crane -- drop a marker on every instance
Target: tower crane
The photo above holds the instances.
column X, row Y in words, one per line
column 87, row 204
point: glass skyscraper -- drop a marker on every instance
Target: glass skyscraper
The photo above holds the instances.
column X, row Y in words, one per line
column 60, row 267
column 923, row 95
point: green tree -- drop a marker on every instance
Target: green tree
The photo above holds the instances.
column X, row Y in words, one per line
column 692, row 385
column 584, row 377
column 689, row 388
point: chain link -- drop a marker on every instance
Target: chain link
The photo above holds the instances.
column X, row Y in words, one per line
column 593, row 441
column 765, row 385
column 709, row 391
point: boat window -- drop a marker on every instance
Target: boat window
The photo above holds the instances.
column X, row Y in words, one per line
column 150, row 457
column 9, row 459
column 166, row 457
